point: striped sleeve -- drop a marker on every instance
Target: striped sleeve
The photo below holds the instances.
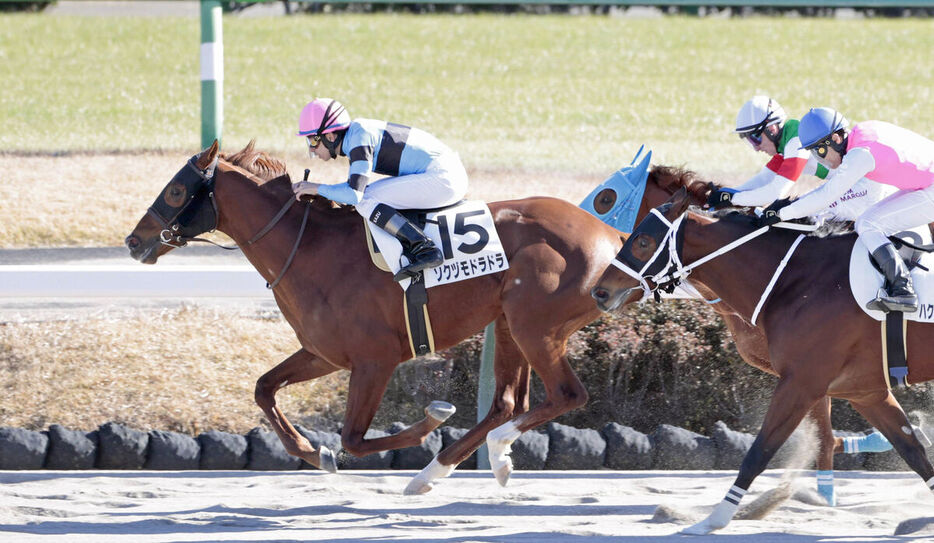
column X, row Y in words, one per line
column 361, row 166
column 791, row 168
column 776, row 163
column 794, row 159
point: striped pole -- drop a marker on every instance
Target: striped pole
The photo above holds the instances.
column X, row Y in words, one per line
column 212, row 72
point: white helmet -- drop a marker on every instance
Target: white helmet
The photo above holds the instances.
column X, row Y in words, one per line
column 757, row 113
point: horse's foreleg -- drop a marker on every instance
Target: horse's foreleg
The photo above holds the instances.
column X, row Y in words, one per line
column 883, row 411
column 820, row 414
column 512, row 386
column 301, row 366
column 790, row 402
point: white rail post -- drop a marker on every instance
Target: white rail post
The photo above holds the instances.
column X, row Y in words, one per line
column 485, row 388
column 212, row 72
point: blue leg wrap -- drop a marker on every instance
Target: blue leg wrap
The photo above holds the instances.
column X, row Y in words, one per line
column 825, row 486
column 874, row 443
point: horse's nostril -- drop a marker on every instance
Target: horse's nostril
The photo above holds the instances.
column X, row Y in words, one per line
column 600, row 293
column 132, row 242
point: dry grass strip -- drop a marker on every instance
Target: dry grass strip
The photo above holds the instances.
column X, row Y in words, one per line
column 187, row 370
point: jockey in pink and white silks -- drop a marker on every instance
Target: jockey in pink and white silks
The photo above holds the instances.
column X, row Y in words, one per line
column 884, row 153
column 423, row 173
column 763, row 124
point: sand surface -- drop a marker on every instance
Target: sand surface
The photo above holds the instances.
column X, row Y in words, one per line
column 538, row 507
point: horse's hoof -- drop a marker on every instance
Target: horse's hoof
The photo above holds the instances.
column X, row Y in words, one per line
column 439, row 410
column 327, row 459
column 416, row 487
column 503, row 472
column 701, row 528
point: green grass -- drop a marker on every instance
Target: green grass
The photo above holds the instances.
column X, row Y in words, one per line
column 530, row 92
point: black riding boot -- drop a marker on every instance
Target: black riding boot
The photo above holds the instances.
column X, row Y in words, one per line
column 417, row 247
column 899, row 295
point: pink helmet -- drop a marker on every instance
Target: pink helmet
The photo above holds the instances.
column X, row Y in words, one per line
column 321, row 116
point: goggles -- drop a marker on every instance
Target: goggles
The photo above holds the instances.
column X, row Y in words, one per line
column 313, row 140
column 754, row 137
column 820, row 148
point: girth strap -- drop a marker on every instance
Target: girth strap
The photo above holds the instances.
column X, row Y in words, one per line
column 894, row 350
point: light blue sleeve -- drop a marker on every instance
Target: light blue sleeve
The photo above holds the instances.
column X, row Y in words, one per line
column 340, row 193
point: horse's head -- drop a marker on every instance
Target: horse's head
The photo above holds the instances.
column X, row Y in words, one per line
column 184, row 209
column 643, row 257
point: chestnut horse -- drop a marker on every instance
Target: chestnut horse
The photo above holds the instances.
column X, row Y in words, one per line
column 810, row 298
column 348, row 315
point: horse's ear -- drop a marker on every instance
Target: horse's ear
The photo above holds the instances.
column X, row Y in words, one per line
column 208, row 156
column 680, row 201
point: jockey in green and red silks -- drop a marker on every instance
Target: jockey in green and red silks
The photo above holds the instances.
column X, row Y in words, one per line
column 422, row 173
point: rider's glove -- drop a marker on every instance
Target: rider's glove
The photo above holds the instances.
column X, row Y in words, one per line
column 720, row 198
column 770, row 214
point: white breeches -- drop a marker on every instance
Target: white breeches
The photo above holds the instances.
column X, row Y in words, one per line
column 903, row 210
column 444, row 183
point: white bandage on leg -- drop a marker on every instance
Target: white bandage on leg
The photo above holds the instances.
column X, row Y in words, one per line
column 507, row 433
column 734, row 496
column 421, row 483
column 721, row 515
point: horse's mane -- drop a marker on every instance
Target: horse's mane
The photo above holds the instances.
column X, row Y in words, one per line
column 258, row 163
column 672, row 178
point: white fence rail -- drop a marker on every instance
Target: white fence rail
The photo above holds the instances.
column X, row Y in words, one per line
column 130, row 280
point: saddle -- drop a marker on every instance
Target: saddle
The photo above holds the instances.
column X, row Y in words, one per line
column 866, row 279
column 915, row 248
column 471, row 246
column 418, row 217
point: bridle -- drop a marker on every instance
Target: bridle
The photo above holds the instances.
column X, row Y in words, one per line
column 184, row 217
column 664, row 270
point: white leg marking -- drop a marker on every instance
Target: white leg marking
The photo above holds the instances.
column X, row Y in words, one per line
column 498, row 443
column 421, row 483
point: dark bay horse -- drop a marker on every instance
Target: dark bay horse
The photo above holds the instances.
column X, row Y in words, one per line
column 662, row 183
column 348, row 315
column 820, row 342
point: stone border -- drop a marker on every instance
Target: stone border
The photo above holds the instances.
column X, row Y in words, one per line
column 114, row 446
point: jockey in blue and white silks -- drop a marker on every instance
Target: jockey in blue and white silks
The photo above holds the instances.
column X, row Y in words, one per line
column 423, row 173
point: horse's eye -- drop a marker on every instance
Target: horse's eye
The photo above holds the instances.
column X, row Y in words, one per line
column 175, row 195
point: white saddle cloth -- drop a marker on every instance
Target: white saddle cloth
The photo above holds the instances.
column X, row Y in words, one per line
column 865, row 281
column 467, row 236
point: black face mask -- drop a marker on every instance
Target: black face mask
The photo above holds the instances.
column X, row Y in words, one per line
column 656, row 227
column 183, row 206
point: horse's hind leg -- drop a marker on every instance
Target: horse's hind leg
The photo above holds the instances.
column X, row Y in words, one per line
column 511, row 396
column 368, row 382
column 301, row 366
column 820, row 414
column 564, row 392
column 883, row 411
